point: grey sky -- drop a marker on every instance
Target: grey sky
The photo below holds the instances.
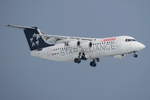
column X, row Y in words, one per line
column 23, row 77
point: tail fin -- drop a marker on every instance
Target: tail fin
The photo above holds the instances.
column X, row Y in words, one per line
column 33, row 36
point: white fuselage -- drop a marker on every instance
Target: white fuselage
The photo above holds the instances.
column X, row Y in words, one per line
column 100, row 47
column 67, row 48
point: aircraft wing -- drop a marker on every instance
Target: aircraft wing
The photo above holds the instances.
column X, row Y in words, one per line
column 63, row 39
column 52, row 38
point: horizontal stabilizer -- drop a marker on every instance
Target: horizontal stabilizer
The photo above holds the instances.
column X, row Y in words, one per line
column 19, row 26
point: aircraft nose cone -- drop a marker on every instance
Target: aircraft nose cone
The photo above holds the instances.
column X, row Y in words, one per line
column 142, row 46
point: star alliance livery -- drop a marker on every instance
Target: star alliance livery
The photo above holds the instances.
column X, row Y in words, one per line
column 77, row 49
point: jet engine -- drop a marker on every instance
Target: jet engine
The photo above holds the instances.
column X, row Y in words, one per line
column 74, row 43
column 86, row 44
column 82, row 44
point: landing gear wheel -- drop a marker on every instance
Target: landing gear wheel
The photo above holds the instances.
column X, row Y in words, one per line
column 93, row 63
column 135, row 55
column 77, row 60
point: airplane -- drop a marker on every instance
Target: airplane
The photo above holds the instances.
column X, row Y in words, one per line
column 77, row 49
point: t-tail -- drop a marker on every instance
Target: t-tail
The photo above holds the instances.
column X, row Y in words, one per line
column 33, row 36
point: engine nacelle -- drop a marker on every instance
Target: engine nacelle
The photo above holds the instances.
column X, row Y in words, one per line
column 82, row 44
column 86, row 44
column 75, row 43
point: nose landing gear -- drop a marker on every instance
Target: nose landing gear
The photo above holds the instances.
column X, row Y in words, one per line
column 135, row 55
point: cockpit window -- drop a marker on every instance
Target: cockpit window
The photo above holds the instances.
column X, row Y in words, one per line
column 128, row 40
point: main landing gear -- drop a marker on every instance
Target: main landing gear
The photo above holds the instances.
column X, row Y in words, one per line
column 77, row 60
column 83, row 57
column 93, row 62
column 80, row 57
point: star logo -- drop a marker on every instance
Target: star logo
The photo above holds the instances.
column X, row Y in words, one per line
column 35, row 40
